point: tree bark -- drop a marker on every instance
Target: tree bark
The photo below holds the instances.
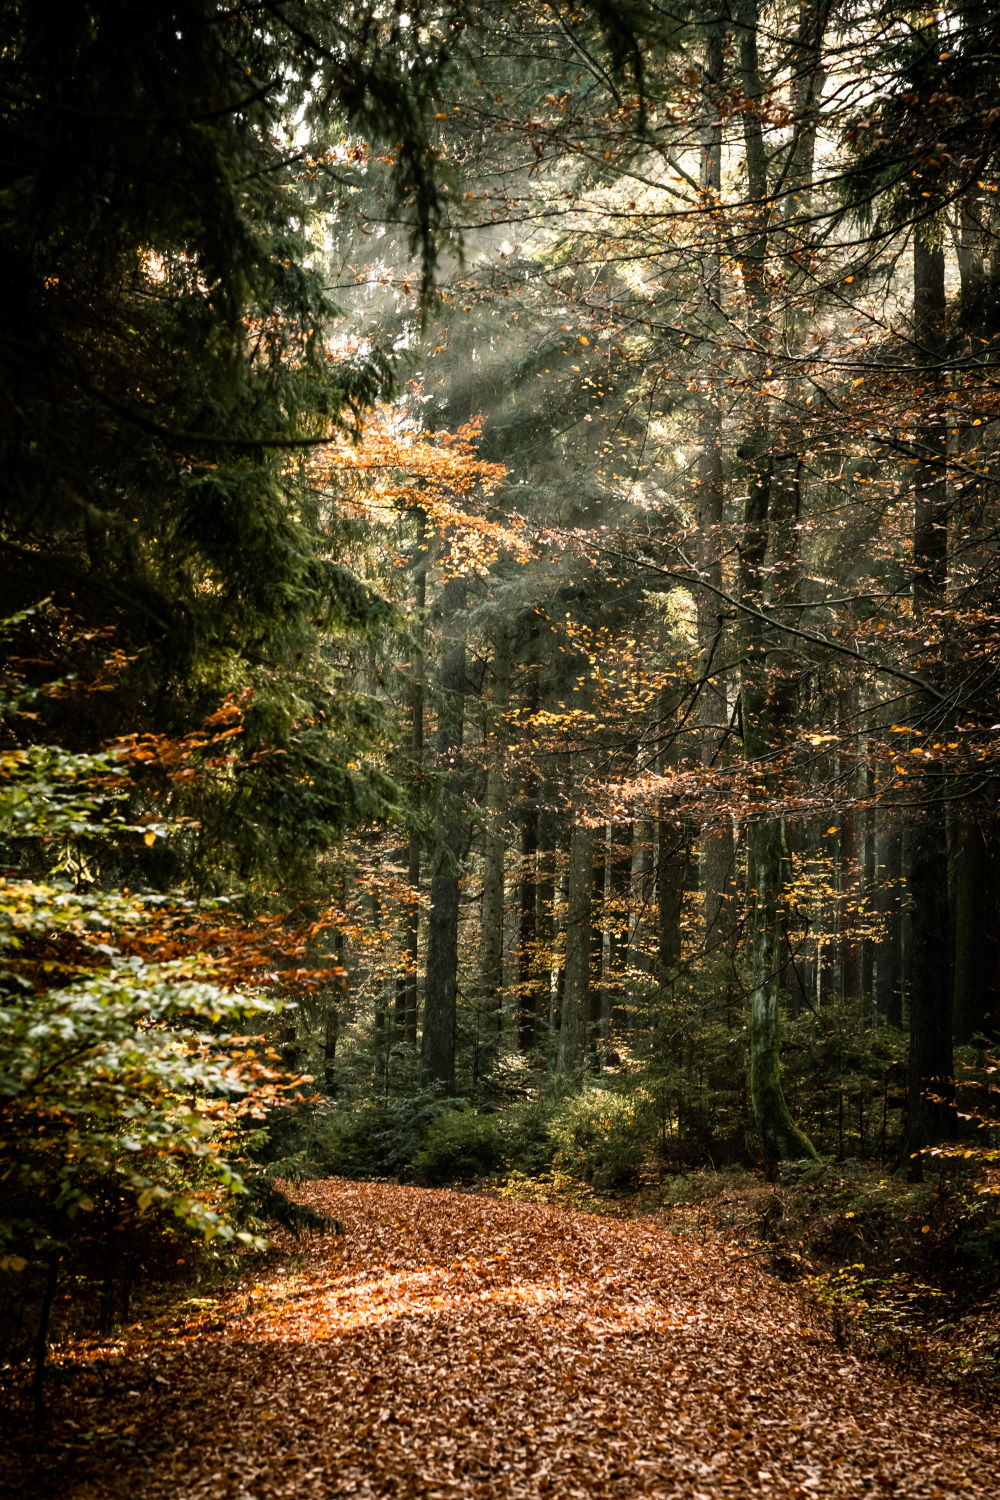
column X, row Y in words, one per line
column 673, row 842
column 716, row 844
column 889, row 952
column 437, row 1049
column 769, row 571
column 490, row 978
column 781, row 1137
column 930, row 1112
column 407, row 997
column 975, row 935
column 576, row 980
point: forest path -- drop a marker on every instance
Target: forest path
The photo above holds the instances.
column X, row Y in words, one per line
column 450, row 1345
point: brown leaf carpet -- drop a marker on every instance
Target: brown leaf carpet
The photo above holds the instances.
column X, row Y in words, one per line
column 450, row 1345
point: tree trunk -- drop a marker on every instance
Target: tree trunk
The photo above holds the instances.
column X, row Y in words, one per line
column 716, row 845
column 975, row 934
column 490, row 979
column 576, row 981
column 437, row 1050
column 930, row 1067
column 889, row 951
column 619, row 902
column 407, row 997
column 528, row 977
column 42, row 1341
column 769, row 571
column 781, row 1137
column 597, row 997
column 672, row 858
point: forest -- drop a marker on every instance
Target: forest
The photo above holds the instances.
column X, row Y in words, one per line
column 501, row 643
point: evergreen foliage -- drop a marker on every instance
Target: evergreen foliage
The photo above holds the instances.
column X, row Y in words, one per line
column 166, row 360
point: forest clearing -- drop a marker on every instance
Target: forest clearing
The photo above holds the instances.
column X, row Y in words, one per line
column 450, row 1345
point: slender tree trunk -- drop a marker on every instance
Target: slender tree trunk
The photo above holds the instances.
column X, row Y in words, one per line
column 407, row 997
column 782, row 1139
column 769, row 569
column 437, row 1050
column 597, row 995
column 490, row 984
column 619, row 890
column 534, row 954
column 576, row 982
column 549, row 970
column 528, row 981
column 889, row 952
column 851, row 853
column 716, row 845
column 975, row 930
column 673, row 843
column 642, row 930
column 930, row 1062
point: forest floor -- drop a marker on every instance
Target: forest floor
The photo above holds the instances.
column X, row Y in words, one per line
column 451, row 1345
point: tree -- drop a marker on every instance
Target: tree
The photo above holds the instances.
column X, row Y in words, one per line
column 166, row 357
column 126, row 1072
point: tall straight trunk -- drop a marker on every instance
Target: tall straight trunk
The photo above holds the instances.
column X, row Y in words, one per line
column 407, row 998
column 769, row 570
column 869, row 857
column 673, row 841
column 597, row 995
column 531, row 1002
column 331, row 1035
column 575, row 1009
column 889, row 949
column 619, row 904
column 437, row 1048
column 533, row 955
column 930, row 1068
column 974, row 924
column 716, row 845
column 490, row 976
column 642, row 933
column 529, row 897
column 850, row 858
column 781, row 1137
column 768, row 862
column 331, row 1020
column 549, row 965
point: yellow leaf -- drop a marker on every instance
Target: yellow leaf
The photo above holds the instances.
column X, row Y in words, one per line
column 149, row 839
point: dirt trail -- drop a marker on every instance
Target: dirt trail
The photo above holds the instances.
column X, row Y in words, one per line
column 453, row 1346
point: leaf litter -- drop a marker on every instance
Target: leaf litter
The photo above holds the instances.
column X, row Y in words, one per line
column 451, row 1346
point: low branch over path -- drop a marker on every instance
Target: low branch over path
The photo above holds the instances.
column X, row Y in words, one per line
column 454, row 1346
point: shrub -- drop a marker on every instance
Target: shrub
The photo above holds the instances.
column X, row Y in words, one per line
column 601, row 1135
column 460, row 1146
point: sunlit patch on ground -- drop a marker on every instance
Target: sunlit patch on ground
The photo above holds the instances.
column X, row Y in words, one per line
column 453, row 1346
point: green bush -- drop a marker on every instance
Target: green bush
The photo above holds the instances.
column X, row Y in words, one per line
column 461, row 1146
column 843, row 1071
column 601, row 1135
column 527, row 1130
column 377, row 1137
